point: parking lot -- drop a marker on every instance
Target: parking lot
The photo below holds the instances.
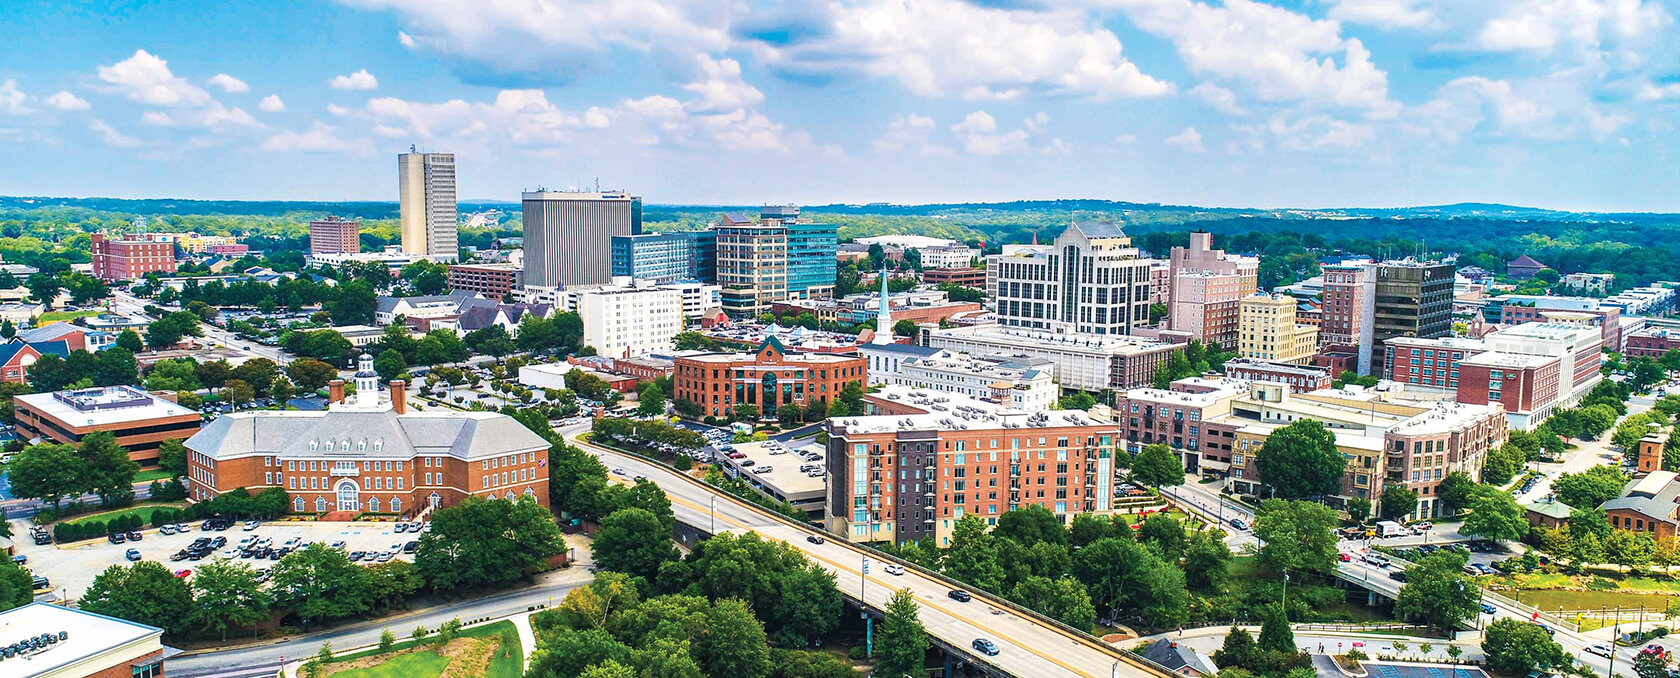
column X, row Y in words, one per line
column 71, row 568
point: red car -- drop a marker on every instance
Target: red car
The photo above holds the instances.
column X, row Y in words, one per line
column 1344, row 557
column 183, row 574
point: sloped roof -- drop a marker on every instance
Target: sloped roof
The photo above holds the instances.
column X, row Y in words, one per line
column 1178, row 657
column 386, row 434
column 51, row 332
column 1099, row 229
column 1525, row 261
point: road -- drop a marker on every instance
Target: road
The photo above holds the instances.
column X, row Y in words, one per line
column 128, row 304
column 1027, row 647
column 1585, row 455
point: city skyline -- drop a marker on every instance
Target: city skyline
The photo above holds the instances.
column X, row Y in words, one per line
column 1328, row 103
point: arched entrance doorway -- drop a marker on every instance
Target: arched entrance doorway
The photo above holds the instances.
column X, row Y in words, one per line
column 349, row 496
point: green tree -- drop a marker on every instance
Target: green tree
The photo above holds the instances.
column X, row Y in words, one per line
column 1030, row 525
column 1516, row 647
column 901, row 644
column 1630, row 549
column 652, row 400
column 1301, row 460
column 572, row 653
column 1207, row 564
column 239, row 392
column 1157, row 466
column 1297, row 536
column 227, row 594
column 1064, row 599
column 1590, row 488
column 106, row 469
column 1454, row 491
column 1504, row 462
column 172, row 457
column 17, row 586
column 145, row 592
column 1397, row 502
column 481, row 542
column 973, row 555
column 390, row 364
column 904, row 328
column 1275, row 635
column 354, row 305
column 634, row 541
column 130, row 341
column 45, row 471
column 1359, row 510
column 310, row 374
column 258, row 373
column 179, row 374
column 1650, row 665
column 1438, row 592
column 1165, row 533
column 1495, row 515
column 734, row 642
column 491, row 341
column 116, row 367
column 320, row 583
column 1239, row 651
column 809, row 606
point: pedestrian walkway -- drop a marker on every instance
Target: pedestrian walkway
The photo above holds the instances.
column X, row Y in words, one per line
column 527, row 636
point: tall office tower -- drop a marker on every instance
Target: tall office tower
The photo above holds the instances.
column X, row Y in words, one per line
column 568, row 235
column 1403, row 298
column 666, row 257
column 426, row 182
column 334, row 235
column 1206, row 286
column 777, row 257
column 1269, row 331
column 1090, row 281
column 811, row 265
column 1343, row 305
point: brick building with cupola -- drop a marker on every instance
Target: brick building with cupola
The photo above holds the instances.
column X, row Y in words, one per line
column 766, row 378
column 369, row 454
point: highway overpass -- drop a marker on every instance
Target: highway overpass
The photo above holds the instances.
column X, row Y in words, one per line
column 1029, row 644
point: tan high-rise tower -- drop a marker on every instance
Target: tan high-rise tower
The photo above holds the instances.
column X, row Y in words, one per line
column 426, row 184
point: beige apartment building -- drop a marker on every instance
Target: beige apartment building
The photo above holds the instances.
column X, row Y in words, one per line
column 1268, row 330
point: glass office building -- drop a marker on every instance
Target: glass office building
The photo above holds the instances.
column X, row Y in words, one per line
column 666, row 257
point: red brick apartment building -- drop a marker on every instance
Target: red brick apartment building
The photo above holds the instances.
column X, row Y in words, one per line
column 140, row 421
column 127, row 258
column 922, row 461
column 494, row 281
column 771, row 376
column 1652, row 343
column 369, row 455
column 333, row 235
column 1526, row 385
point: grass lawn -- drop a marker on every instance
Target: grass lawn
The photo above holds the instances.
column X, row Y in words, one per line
column 150, row 475
column 145, row 512
column 1650, row 584
column 51, row 317
column 507, row 662
column 417, row 664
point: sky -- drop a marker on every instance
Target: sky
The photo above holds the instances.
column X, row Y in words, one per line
column 1566, row 104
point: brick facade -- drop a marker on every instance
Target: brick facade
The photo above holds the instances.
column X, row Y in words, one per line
column 719, row 381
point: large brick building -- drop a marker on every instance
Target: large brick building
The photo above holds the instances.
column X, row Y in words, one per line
column 967, row 277
column 1652, row 343
column 1526, row 385
column 494, row 281
column 127, row 258
column 369, row 455
column 769, row 377
column 923, row 460
column 140, row 421
column 334, row 235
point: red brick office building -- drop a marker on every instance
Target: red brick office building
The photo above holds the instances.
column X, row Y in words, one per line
column 127, row 258
column 771, row 376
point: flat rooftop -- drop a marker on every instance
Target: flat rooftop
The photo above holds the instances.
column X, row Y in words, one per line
column 1036, row 339
column 1507, row 360
column 1445, row 417
column 102, row 406
column 956, row 412
column 784, row 480
column 86, row 635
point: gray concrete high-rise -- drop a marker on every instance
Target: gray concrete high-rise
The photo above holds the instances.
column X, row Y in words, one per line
column 426, row 184
column 568, row 235
column 1403, row 298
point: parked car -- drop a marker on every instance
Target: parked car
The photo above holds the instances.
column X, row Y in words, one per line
column 411, row 547
column 132, row 555
column 42, row 582
column 183, row 574
column 117, row 538
column 166, row 529
column 20, row 559
column 251, row 525
column 985, row 647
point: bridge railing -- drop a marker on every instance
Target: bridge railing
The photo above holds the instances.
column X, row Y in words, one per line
column 1036, row 617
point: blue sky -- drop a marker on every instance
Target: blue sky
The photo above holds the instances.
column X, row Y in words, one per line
column 1568, row 104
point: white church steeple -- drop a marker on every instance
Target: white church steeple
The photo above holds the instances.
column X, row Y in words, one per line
column 367, row 383
column 883, row 318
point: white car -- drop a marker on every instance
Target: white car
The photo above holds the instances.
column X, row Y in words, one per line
column 1600, row 649
column 620, row 472
column 895, row 569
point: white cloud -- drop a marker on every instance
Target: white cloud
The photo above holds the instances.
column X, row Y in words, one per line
column 158, row 118
column 320, row 138
column 146, row 79
column 1543, row 25
column 11, row 99
column 721, row 87
column 390, row 132
column 214, row 116
column 523, row 117
column 1653, row 92
column 1219, row 98
column 111, row 136
column 1319, row 132
column 1383, row 13
column 1462, row 105
column 939, row 47
column 65, row 101
column 360, row 80
column 1280, row 55
column 1126, row 139
column 337, row 110
column 557, row 39
column 979, row 134
column 908, row 132
column 272, row 104
column 1189, row 140
column 229, row 84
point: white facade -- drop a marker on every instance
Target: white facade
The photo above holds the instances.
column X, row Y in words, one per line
column 1083, row 361
column 1022, row 384
column 1570, row 344
column 628, row 322
column 697, row 297
column 426, row 186
column 1091, row 281
column 949, row 256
